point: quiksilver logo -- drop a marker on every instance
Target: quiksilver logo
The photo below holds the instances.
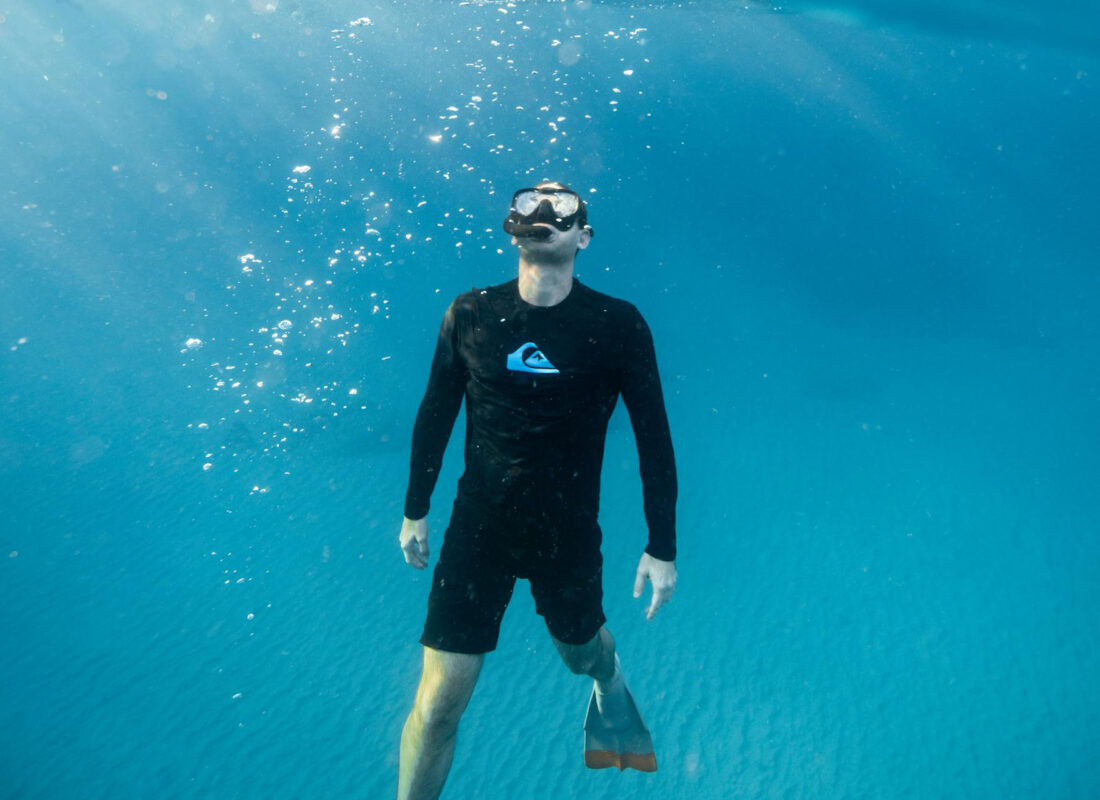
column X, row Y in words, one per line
column 528, row 358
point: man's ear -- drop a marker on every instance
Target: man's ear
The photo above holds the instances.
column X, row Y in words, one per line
column 585, row 238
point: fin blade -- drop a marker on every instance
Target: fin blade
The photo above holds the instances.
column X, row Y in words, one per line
column 606, row 747
column 604, row 759
column 643, row 762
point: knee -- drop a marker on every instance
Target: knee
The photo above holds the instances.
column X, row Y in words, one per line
column 436, row 718
column 580, row 658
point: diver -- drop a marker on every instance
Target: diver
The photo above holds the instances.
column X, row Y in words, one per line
column 540, row 361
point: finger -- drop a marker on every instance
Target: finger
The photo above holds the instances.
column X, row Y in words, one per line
column 639, row 582
column 660, row 596
column 654, row 604
column 663, row 595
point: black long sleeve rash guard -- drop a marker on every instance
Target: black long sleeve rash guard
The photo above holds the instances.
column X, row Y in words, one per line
column 540, row 384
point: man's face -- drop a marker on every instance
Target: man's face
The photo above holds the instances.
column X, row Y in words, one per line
column 559, row 244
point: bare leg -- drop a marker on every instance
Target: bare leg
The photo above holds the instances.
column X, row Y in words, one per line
column 428, row 739
column 595, row 658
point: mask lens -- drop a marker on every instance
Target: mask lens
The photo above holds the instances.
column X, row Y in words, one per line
column 564, row 204
column 527, row 202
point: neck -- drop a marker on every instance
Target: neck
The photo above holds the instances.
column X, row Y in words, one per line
column 544, row 284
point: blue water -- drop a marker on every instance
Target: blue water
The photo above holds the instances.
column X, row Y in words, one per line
column 863, row 235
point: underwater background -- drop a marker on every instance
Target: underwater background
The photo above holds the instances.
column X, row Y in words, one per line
column 863, row 234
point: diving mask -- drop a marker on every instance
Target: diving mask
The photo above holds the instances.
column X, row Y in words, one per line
column 557, row 207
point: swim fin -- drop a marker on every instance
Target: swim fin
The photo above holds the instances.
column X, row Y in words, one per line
column 617, row 736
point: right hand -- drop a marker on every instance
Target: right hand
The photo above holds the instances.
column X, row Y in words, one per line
column 414, row 541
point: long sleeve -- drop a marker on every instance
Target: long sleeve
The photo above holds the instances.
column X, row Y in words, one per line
column 641, row 390
column 436, row 418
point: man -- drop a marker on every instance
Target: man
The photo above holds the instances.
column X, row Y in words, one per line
column 541, row 361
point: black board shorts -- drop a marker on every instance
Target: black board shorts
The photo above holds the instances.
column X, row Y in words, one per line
column 481, row 559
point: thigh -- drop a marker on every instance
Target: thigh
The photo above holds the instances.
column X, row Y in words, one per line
column 469, row 594
column 569, row 595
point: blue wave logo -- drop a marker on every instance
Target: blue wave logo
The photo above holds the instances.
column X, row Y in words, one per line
column 528, row 358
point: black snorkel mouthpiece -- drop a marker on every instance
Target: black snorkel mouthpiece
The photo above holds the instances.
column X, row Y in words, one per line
column 515, row 225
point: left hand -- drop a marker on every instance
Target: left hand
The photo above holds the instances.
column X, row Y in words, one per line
column 662, row 574
column 414, row 541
